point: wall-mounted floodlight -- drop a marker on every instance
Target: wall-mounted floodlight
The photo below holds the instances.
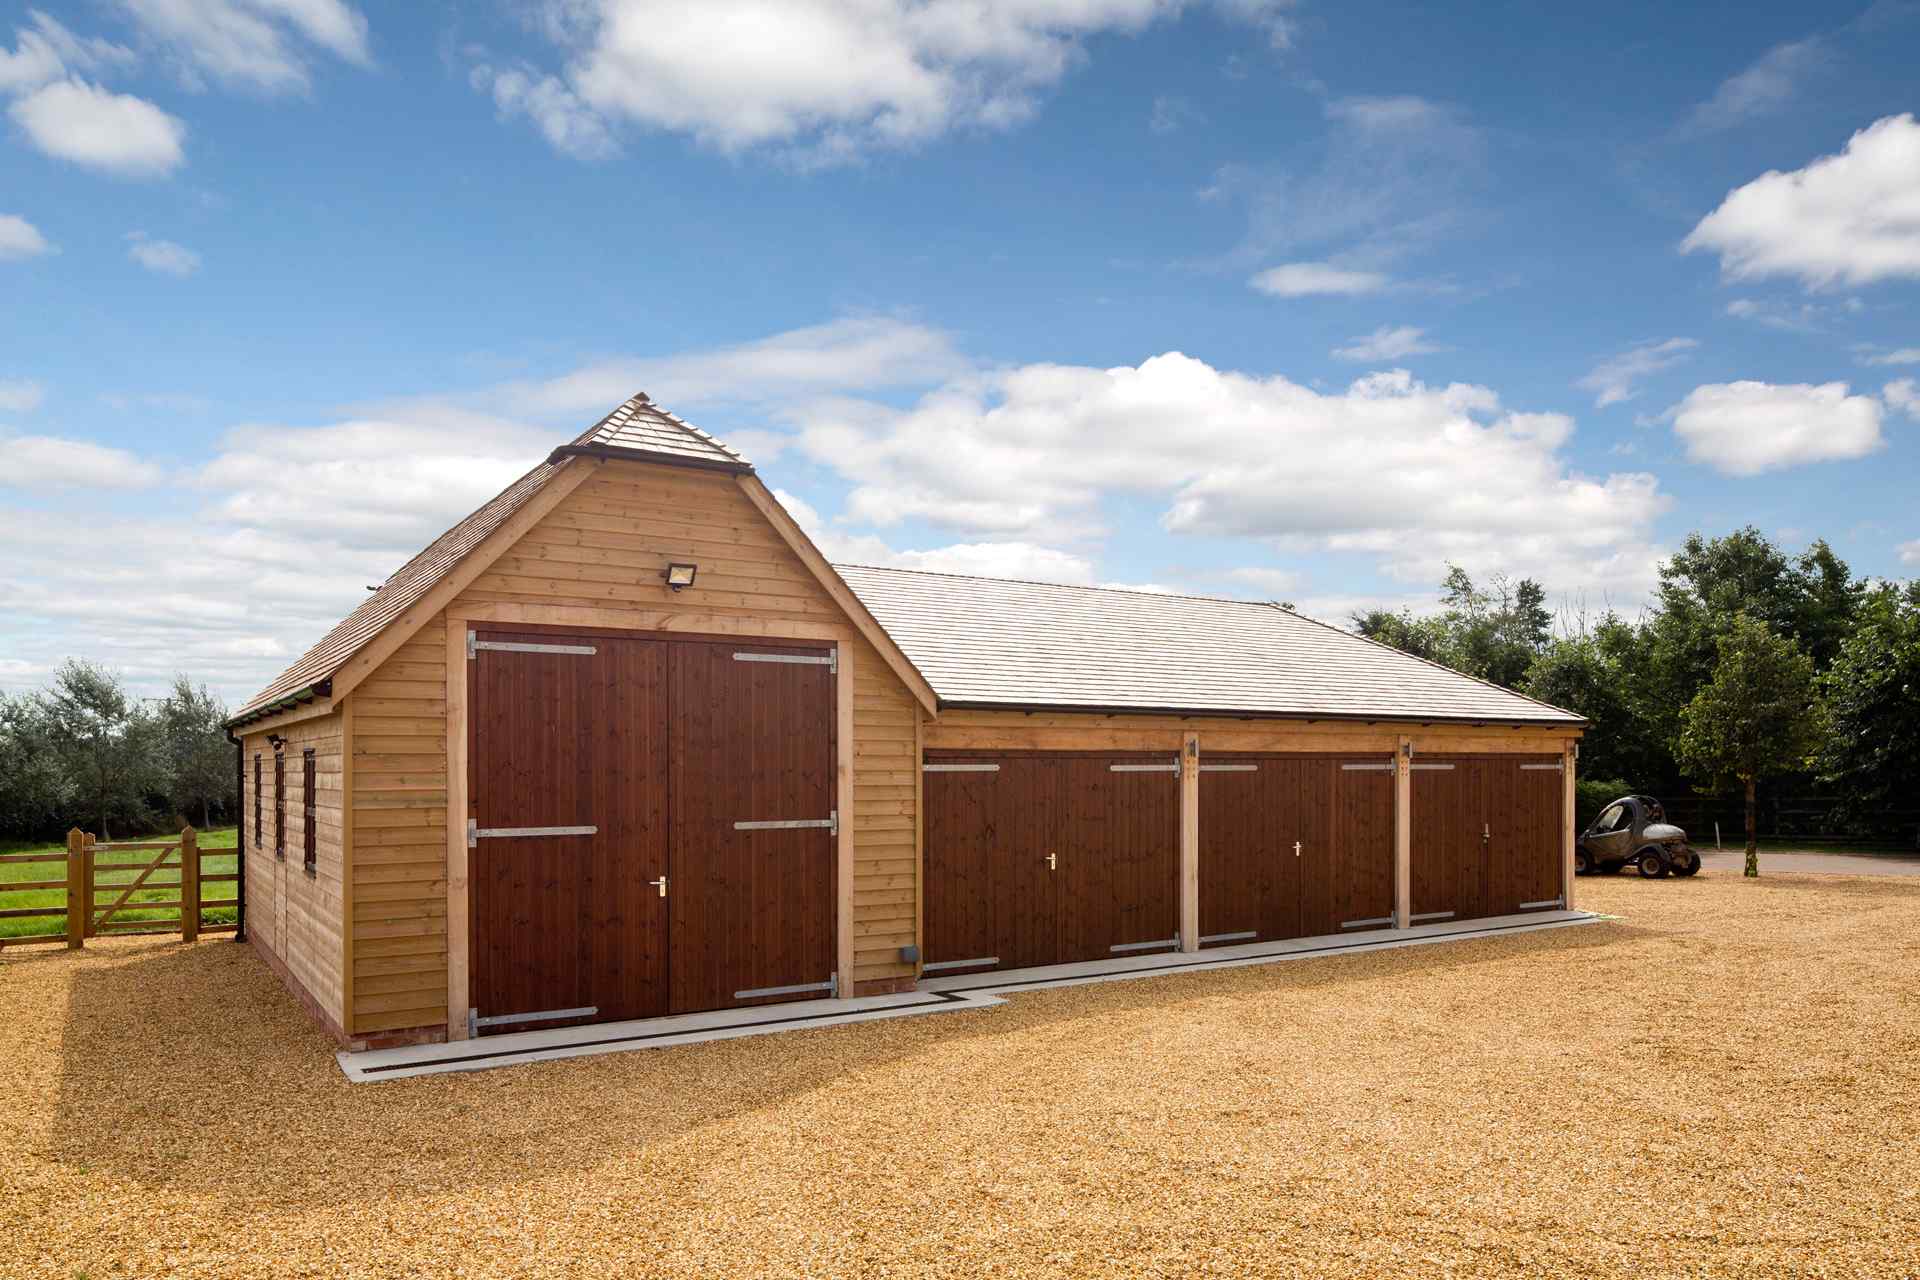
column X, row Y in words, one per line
column 680, row 576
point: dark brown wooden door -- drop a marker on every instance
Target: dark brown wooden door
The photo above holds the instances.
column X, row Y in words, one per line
column 1029, row 817
column 1449, row 839
column 960, row 802
column 1526, row 798
column 1241, row 898
column 753, row 753
column 1119, row 856
column 567, row 732
column 1320, row 851
column 1363, row 843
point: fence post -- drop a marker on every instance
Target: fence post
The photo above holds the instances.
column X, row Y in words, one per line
column 76, row 889
column 189, row 885
column 86, row 885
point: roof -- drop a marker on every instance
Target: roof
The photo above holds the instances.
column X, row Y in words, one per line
column 993, row 642
column 638, row 430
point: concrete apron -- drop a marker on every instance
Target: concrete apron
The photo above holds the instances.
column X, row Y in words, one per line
column 945, row 994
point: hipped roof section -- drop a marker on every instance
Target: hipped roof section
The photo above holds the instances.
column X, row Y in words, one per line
column 638, row 430
column 995, row 643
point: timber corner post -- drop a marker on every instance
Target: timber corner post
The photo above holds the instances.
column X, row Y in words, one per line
column 76, row 889
column 1403, row 834
column 189, row 884
column 1189, row 895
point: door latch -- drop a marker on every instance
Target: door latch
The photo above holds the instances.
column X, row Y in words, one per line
column 1296, row 848
column 1486, row 832
column 1052, row 862
column 660, row 884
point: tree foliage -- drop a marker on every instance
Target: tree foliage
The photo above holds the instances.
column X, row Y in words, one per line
column 1872, row 696
column 1492, row 632
column 198, row 757
column 1755, row 718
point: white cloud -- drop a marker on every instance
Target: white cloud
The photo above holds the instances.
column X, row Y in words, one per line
column 1790, row 317
column 1903, row 396
column 44, row 462
column 20, row 238
column 1852, row 218
column 855, row 352
column 567, row 123
column 1612, row 380
column 1171, row 114
column 115, row 133
column 163, row 256
column 45, row 51
column 822, row 80
column 1033, row 452
column 1761, row 89
column 20, row 395
column 1388, row 342
column 1909, row 552
column 1905, row 355
column 1745, row 428
column 1267, row 582
column 1303, row 279
column 1010, row 559
column 252, row 44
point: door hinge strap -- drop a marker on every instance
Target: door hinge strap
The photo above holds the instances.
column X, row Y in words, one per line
column 1174, row 941
column 831, row 986
column 1534, row 906
column 1366, row 924
column 1431, row 915
column 831, row 661
column 1370, row 768
column 475, row 645
column 1144, row 768
column 831, row 823
column 475, row 1021
column 477, row 833
column 1554, row 767
column 1229, row 768
column 938, row 965
column 959, row 768
column 1229, row 937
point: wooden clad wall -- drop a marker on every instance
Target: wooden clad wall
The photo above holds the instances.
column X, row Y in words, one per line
column 296, row 917
column 597, row 560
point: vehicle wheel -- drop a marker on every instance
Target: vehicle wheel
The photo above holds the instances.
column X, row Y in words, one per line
column 1651, row 864
column 1687, row 864
column 1582, row 863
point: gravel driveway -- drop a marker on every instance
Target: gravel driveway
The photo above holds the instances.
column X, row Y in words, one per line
column 1720, row 1083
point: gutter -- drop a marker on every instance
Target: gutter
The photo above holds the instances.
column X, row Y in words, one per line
column 240, row 836
column 299, row 697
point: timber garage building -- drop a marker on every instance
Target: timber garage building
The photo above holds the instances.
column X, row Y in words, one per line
column 623, row 744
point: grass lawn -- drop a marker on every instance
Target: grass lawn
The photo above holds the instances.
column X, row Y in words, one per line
column 13, row 873
column 1719, row 1082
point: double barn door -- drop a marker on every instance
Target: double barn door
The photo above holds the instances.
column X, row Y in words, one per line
column 1294, row 846
column 1049, row 858
column 1487, row 836
column 651, row 825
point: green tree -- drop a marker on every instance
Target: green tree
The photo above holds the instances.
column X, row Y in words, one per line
column 1492, row 632
column 198, row 757
column 1754, row 718
column 1872, row 698
column 35, row 795
column 106, row 743
column 1600, row 673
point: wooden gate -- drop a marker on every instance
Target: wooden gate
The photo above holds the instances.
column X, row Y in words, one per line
column 120, row 887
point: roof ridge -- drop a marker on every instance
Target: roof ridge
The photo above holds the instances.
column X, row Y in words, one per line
column 1064, row 586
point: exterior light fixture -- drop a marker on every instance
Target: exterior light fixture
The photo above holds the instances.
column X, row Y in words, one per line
column 681, row 575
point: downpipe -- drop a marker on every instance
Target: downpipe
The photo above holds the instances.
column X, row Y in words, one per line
column 240, row 836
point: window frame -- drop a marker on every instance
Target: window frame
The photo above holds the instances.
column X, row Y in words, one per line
column 309, row 833
column 280, row 804
column 259, row 821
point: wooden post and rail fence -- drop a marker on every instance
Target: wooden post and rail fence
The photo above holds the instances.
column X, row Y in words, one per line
column 105, row 883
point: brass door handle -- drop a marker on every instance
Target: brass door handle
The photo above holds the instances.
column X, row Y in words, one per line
column 660, row 884
column 1052, row 862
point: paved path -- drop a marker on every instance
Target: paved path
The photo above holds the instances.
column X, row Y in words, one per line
column 1843, row 864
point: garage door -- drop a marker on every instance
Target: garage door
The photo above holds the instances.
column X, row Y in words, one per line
column 1486, row 836
column 1036, row 859
column 1294, row 846
column 652, row 826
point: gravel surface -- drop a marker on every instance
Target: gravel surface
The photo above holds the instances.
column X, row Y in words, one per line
column 1721, row 1083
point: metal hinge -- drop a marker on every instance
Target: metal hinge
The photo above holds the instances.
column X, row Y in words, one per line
column 831, row 822
column 831, row 662
column 473, row 651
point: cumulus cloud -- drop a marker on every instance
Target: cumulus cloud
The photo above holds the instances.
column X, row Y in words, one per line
column 1033, row 452
column 1746, row 428
column 1388, row 342
column 1304, row 279
column 824, row 80
column 1909, row 552
column 1846, row 219
column 1614, row 379
column 20, row 395
column 251, row 44
column 114, row 133
column 1903, row 396
column 162, row 256
column 20, row 238
column 43, row 462
column 44, row 51
column 1903, row 355
column 1006, row 559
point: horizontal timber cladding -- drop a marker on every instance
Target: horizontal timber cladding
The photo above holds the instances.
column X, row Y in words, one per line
column 294, row 915
column 1294, row 846
column 596, row 560
column 1487, row 835
column 1039, row 858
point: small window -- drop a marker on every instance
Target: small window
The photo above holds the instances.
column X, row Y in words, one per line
column 279, row 805
column 309, row 842
column 259, row 827
column 1613, row 819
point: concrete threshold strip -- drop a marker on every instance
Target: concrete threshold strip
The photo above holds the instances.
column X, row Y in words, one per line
column 935, row 995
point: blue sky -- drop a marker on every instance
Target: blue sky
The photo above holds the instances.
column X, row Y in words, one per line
column 1241, row 297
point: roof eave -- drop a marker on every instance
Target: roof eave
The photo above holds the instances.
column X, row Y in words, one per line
column 286, row 702
column 1241, row 713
